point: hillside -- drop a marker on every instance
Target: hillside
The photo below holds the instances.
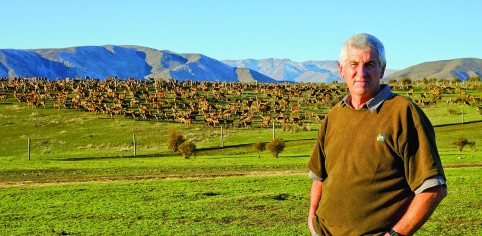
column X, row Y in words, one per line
column 148, row 63
column 121, row 61
column 463, row 68
column 288, row 70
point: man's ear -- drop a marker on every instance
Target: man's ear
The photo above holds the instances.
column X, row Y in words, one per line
column 383, row 73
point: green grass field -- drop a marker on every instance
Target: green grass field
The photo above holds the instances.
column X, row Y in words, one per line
column 83, row 177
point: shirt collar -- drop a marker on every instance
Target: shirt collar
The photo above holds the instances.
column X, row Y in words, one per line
column 384, row 94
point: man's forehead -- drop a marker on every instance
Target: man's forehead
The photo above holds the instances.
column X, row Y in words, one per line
column 368, row 54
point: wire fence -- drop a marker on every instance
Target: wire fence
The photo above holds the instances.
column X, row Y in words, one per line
column 131, row 145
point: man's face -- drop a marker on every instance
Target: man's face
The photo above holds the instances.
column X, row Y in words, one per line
column 362, row 72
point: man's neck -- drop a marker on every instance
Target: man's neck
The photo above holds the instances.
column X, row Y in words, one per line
column 357, row 101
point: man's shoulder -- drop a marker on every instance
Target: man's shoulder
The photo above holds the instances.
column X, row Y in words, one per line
column 402, row 105
column 400, row 101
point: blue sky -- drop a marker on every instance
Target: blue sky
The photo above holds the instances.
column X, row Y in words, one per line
column 412, row 31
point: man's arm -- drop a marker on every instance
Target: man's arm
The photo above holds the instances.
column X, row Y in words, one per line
column 420, row 210
column 315, row 196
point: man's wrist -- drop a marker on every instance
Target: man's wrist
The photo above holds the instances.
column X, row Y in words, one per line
column 394, row 233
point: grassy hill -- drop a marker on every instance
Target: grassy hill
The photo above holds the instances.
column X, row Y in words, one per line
column 463, row 69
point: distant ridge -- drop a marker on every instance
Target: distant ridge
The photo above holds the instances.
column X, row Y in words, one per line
column 122, row 61
column 129, row 61
column 288, row 70
column 462, row 68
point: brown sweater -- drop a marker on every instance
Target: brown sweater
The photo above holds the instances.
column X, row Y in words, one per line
column 370, row 163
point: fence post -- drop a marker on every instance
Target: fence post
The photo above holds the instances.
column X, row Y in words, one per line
column 28, row 148
column 273, row 130
column 134, row 142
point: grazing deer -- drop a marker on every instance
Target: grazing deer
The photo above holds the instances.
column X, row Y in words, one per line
column 266, row 120
column 32, row 103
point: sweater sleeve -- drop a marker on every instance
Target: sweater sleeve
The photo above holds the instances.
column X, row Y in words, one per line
column 316, row 163
column 421, row 158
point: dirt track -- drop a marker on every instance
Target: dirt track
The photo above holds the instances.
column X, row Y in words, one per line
column 6, row 184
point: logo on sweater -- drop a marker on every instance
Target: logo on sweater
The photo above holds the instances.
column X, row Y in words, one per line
column 381, row 137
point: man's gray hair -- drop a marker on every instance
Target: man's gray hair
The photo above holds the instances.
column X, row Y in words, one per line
column 363, row 41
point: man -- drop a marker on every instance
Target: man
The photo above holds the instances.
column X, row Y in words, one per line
column 375, row 166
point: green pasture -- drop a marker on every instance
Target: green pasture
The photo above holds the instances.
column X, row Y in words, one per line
column 248, row 205
column 83, row 178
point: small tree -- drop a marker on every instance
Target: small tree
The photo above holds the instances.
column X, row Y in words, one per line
column 259, row 147
column 456, row 80
column 475, row 79
column 453, row 111
column 392, row 82
column 276, row 146
column 424, row 80
column 460, row 143
column 406, row 81
column 186, row 149
column 174, row 139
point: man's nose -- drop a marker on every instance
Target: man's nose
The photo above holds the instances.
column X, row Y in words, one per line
column 361, row 71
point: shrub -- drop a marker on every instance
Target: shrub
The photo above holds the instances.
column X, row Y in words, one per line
column 292, row 128
column 460, row 143
column 475, row 79
column 276, row 146
column 392, row 82
column 406, row 81
column 456, row 80
column 259, row 147
column 452, row 112
column 307, row 127
column 186, row 149
column 174, row 139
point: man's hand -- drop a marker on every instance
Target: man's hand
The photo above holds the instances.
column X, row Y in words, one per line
column 315, row 196
column 420, row 209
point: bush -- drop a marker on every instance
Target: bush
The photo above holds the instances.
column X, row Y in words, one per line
column 186, row 149
column 174, row 139
column 406, row 81
column 259, row 147
column 456, row 80
column 452, row 112
column 475, row 79
column 291, row 128
column 276, row 146
column 307, row 127
column 460, row 143
column 392, row 82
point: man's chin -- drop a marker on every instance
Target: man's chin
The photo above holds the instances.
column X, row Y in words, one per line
column 359, row 91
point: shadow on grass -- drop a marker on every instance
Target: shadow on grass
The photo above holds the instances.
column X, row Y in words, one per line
column 453, row 124
column 119, row 157
column 200, row 151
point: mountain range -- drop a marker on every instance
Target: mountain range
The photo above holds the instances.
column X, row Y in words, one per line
column 148, row 63
column 462, row 68
column 121, row 61
column 288, row 70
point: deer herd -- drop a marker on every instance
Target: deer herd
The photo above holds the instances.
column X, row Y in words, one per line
column 215, row 104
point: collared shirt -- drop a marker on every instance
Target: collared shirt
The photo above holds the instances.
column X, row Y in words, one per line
column 384, row 94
